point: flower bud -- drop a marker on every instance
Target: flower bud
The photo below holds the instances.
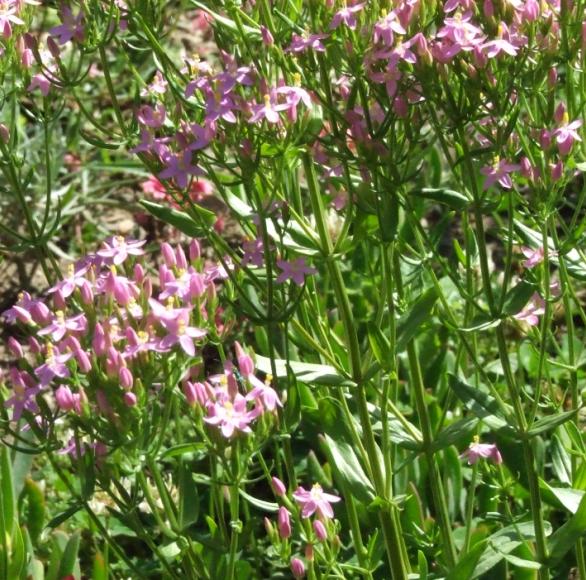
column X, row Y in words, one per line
column 552, row 77
column 297, row 568
column 284, row 523
column 53, row 47
column 245, row 364
column 15, row 347
column 168, row 255
column 320, row 530
column 267, row 37
column 126, row 379
column 4, row 133
column 138, row 273
column 64, row 398
column 130, row 399
column 86, row 292
column 309, row 552
column 194, row 251
column 83, row 360
column 181, row 258
column 278, row 487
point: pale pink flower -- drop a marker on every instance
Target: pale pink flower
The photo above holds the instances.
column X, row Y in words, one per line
column 295, row 270
column 315, row 500
column 532, row 311
column 479, row 450
column 231, row 416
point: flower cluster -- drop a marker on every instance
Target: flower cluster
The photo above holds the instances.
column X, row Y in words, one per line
column 100, row 340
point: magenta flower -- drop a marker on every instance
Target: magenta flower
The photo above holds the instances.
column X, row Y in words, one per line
column 182, row 334
column 534, row 256
column 315, row 500
column 60, row 325
column 24, row 392
column 71, row 27
column 54, row 366
column 346, row 16
column 253, row 253
column 231, row 416
column 269, row 110
column 498, row 172
column 296, row 271
column 300, row 44
column 75, row 278
column 566, row 134
column 117, row 249
column 179, row 167
column 479, row 450
column 263, row 394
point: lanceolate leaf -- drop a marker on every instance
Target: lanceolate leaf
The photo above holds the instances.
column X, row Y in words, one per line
column 565, row 538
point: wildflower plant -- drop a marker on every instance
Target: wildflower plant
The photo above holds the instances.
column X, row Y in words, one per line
column 405, row 181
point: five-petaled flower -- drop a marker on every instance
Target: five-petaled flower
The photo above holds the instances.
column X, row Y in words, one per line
column 479, row 450
column 315, row 500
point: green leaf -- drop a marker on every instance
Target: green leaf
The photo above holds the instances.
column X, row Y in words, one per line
column 7, row 501
column 261, row 504
column 410, row 324
column 17, row 556
column 479, row 402
column 565, row 497
column 550, row 422
column 517, row 297
column 304, row 372
column 69, row 559
column 188, row 497
column 379, row 343
column 65, row 515
column 100, row 567
column 449, row 197
column 565, row 538
column 347, row 465
column 458, row 432
column 181, row 220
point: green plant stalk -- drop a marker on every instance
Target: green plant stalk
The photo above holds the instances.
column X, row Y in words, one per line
column 235, row 523
column 565, row 285
column 532, row 476
column 470, row 509
column 439, row 498
column 392, row 534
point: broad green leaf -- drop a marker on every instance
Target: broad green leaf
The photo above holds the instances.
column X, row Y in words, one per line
column 7, row 499
column 35, row 515
column 453, row 199
column 566, row 497
column 565, row 538
column 479, row 402
column 304, row 372
column 551, row 422
column 180, row 219
column 69, row 559
column 17, row 556
column 561, row 461
column 458, row 432
column 347, row 465
column 188, row 497
column 517, row 297
column 409, row 325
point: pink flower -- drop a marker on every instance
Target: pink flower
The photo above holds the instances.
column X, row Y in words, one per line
column 534, row 308
column 269, row 110
column 71, row 27
column 117, row 249
column 320, row 530
column 566, row 134
column 346, row 16
column 278, row 487
column 479, row 450
column 182, row 334
column 302, row 43
column 315, row 500
column 231, row 416
column 263, row 393
column 499, row 172
column 296, row 271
